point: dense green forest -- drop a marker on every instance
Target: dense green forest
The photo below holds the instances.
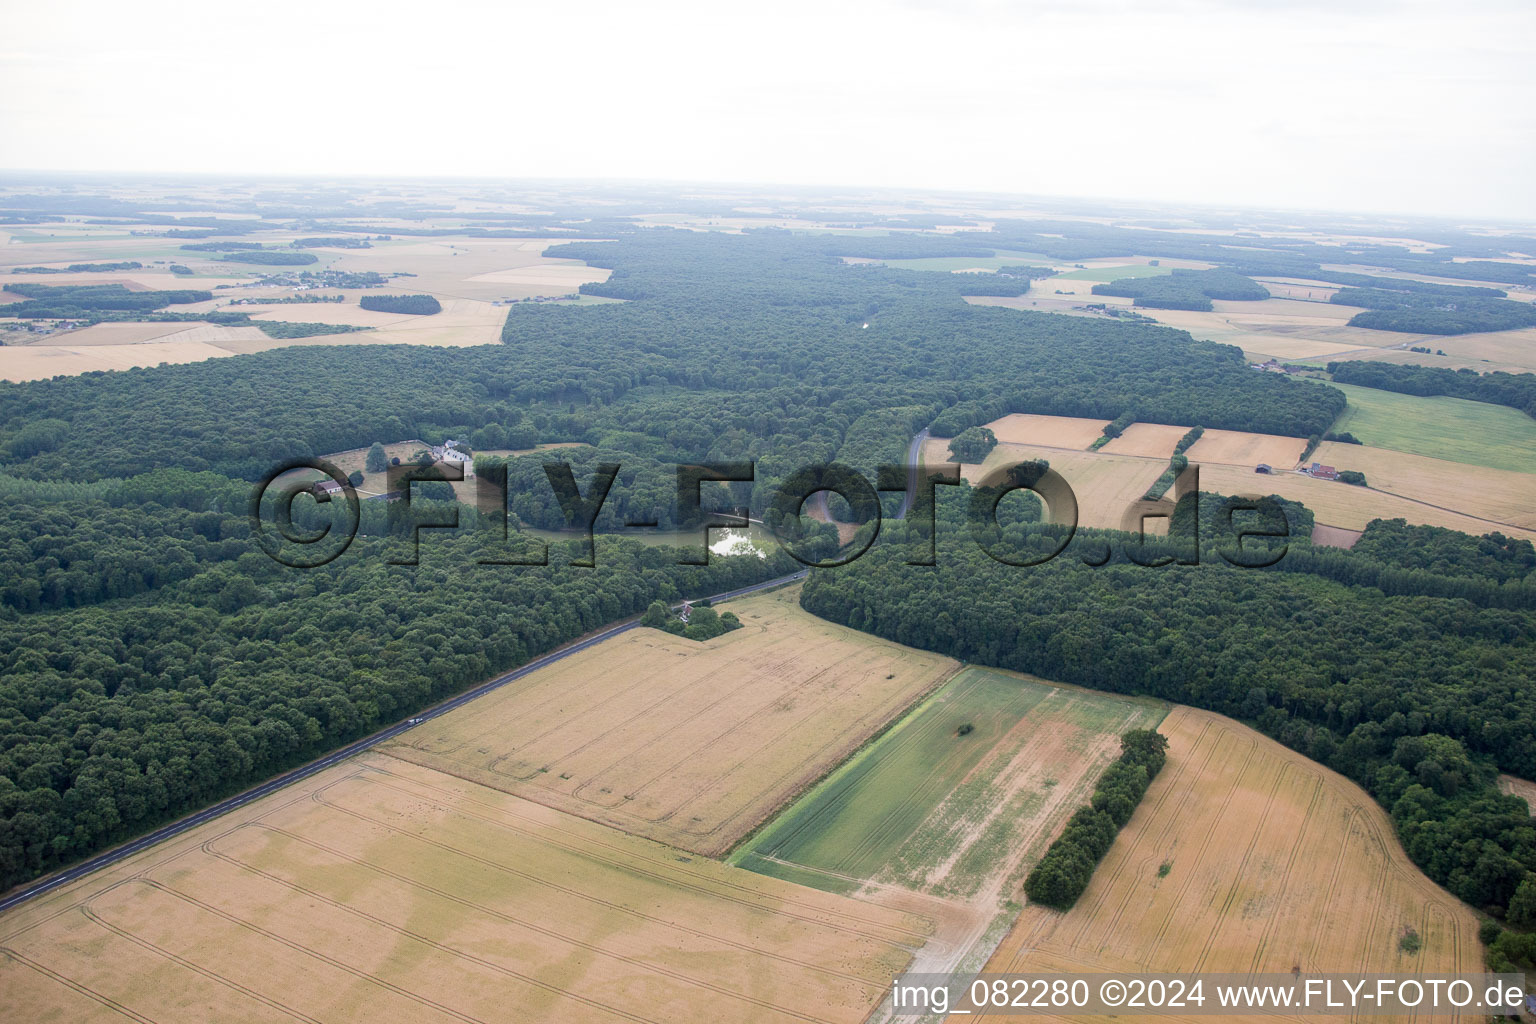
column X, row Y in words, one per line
column 420, row 304
column 271, row 258
column 85, row 300
column 303, row 329
column 154, row 657
column 1417, row 312
column 128, row 700
column 731, row 348
column 1185, row 289
column 340, row 242
column 973, row 445
column 81, row 268
column 1516, row 390
column 1419, row 699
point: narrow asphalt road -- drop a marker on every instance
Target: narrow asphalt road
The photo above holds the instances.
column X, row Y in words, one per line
column 179, row 826
column 914, row 463
column 819, row 508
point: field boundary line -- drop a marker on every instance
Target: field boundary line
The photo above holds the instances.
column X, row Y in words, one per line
column 743, row 846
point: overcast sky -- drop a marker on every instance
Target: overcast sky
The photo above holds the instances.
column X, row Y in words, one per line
column 1328, row 104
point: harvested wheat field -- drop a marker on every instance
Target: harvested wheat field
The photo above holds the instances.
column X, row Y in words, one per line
column 1283, row 310
column 120, row 333
column 381, row 890
column 39, row 362
column 1274, row 862
column 1497, row 495
column 1149, row 440
column 1521, row 788
column 1520, row 362
column 1513, row 351
column 1287, row 348
column 474, row 268
column 1240, row 448
column 1298, row 288
column 1052, row 431
column 347, row 314
column 1347, row 506
column 688, row 743
column 1106, row 486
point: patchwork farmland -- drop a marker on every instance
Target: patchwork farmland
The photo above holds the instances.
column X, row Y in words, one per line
column 959, row 799
column 469, row 275
column 1273, row 862
column 1105, row 485
column 1481, row 482
column 692, row 744
column 441, row 877
column 384, row 890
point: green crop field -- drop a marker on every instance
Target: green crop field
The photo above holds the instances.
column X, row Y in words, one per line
column 1115, row 273
column 931, row 808
column 949, row 264
column 1476, row 433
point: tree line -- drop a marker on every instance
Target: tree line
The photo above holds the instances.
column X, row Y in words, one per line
column 1062, row 874
column 1420, row 699
column 1434, row 312
column 1516, row 390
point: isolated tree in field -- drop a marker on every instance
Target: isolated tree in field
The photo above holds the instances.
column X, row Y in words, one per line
column 973, row 445
column 355, row 478
column 377, row 461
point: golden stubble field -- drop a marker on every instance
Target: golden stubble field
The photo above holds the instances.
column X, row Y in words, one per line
column 383, row 891
column 688, row 743
column 1352, row 508
column 1415, row 488
column 1502, row 497
column 1507, row 351
column 1052, row 431
column 465, row 273
column 1241, row 448
column 1149, row 440
column 1105, row 485
column 1274, row 863
column 466, row 267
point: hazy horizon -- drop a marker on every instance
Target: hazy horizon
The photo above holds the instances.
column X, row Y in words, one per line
column 1370, row 107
